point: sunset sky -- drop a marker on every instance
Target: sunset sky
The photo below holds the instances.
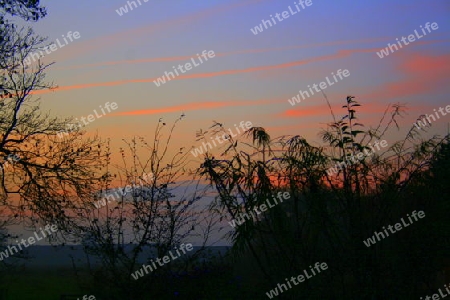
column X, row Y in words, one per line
column 251, row 77
column 109, row 65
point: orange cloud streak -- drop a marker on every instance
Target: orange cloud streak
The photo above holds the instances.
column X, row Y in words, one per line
column 179, row 58
column 320, row 110
column 339, row 54
column 423, row 74
column 97, row 43
column 193, row 106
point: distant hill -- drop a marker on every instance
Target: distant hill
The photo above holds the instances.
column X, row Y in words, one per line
column 60, row 256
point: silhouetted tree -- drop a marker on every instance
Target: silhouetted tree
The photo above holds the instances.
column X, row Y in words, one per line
column 47, row 170
column 152, row 209
column 330, row 214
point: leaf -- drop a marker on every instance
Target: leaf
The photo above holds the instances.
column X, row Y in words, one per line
column 346, row 139
column 355, row 132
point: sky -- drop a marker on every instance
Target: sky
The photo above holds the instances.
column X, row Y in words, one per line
column 117, row 58
column 252, row 73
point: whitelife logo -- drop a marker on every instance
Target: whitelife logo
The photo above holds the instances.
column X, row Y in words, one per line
column 51, row 48
column 262, row 207
column 124, row 9
column 439, row 296
column 188, row 66
column 322, row 267
column 128, row 189
column 323, row 85
column 411, row 38
column 50, row 230
column 85, row 297
column 424, row 123
column 224, row 136
column 398, row 227
column 90, row 118
column 351, row 159
column 166, row 259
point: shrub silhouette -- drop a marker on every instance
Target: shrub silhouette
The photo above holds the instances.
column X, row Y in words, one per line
column 329, row 216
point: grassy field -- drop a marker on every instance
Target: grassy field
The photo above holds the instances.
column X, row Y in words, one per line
column 42, row 285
